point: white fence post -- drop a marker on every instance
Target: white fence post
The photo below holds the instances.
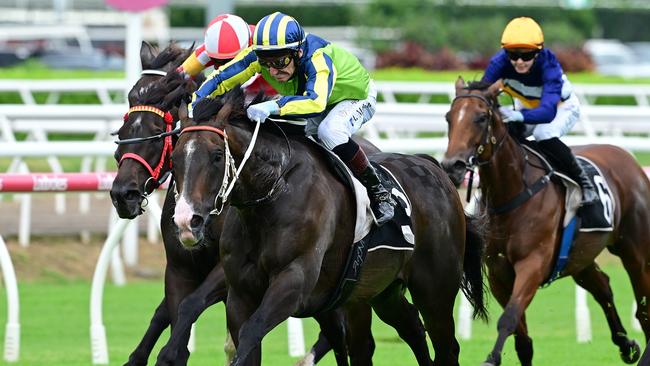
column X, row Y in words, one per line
column 12, row 329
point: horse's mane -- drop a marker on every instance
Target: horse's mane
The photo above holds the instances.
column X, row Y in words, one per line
column 206, row 108
column 478, row 85
column 169, row 58
column 159, row 90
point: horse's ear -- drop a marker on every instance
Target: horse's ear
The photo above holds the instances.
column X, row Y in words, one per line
column 460, row 85
column 224, row 113
column 187, row 53
column 147, row 54
column 171, row 99
column 495, row 89
column 183, row 115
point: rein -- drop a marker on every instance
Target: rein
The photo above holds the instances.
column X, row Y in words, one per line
column 167, row 136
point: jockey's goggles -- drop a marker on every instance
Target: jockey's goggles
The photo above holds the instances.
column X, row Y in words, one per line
column 219, row 62
column 525, row 56
column 278, row 63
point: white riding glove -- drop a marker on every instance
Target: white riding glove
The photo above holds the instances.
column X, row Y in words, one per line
column 261, row 111
column 510, row 115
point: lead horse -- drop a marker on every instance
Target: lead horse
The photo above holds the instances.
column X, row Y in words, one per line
column 284, row 247
column 193, row 279
column 524, row 240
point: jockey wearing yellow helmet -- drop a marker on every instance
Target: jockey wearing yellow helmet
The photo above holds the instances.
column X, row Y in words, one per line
column 317, row 80
column 544, row 99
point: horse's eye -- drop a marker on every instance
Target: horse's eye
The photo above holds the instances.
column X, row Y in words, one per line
column 481, row 118
column 116, row 156
column 217, row 155
column 448, row 117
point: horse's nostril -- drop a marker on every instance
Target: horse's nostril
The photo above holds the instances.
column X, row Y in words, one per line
column 132, row 195
column 459, row 164
column 196, row 221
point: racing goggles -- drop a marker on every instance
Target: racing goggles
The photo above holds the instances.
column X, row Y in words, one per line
column 525, row 56
column 217, row 62
column 276, row 63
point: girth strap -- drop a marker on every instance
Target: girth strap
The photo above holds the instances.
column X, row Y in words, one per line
column 523, row 196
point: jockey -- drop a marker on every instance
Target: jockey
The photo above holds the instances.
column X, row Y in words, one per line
column 543, row 97
column 317, row 80
column 225, row 37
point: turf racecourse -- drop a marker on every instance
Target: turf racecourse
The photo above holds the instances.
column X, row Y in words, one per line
column 55, row 327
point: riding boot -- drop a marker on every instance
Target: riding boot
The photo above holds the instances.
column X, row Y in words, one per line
column 381, row 202
column 568, row 163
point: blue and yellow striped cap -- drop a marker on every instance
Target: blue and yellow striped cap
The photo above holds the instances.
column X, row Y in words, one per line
column 277, row 31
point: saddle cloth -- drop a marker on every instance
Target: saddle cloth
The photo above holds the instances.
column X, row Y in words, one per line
column 364, row 217
column 395, row 234
column 595, row 217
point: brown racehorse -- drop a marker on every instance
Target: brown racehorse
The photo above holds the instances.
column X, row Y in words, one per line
column 523, row 242
column 284, row 247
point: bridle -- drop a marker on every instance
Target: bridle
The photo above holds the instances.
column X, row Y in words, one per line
column 154, row 172
column 487, row 136
column 231, row 171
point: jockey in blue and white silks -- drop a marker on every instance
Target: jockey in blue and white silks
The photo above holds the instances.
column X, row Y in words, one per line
column 544, row 99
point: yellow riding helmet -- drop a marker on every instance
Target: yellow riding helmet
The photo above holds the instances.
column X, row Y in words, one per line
column 522, row 32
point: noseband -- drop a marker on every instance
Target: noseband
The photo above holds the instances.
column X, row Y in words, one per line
column 167, row 136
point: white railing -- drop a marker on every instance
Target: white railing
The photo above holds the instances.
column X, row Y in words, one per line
column 388, row 90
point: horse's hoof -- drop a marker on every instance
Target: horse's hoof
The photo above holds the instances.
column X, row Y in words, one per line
column 308, row 360
column 632, row 353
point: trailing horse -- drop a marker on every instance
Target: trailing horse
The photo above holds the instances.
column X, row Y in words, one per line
column 526, row 213
column 284, row 246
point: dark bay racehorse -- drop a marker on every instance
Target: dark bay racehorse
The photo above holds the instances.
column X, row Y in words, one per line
column 143, row 165
column 523, row 242
column 284, row 247
column 193, row 279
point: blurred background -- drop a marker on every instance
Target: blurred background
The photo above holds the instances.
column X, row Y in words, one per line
column 65, row 68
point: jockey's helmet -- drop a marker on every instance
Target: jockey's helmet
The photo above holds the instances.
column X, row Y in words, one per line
column 226, row 36
column 522, row 32
column 278, row 32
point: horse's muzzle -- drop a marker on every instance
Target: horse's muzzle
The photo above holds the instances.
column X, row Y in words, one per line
column 127, row 202
column 455, row 169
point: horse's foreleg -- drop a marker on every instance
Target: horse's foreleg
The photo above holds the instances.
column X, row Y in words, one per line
column 528, row 277
column 594, row 280
column 278, row 303
column 178, row 285
column 332, row 325
column 393, row 309
column 361, row 344
column 523, row 343
column 159, row 322
column 212, row 290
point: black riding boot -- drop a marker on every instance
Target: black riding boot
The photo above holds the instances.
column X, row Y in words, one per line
column 381, row 202
column 568, row 163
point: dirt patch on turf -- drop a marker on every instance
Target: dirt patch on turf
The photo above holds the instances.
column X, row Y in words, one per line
column 63, row 258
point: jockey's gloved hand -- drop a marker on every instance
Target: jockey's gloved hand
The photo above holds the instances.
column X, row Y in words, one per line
column 510, row 115
column 261, row 111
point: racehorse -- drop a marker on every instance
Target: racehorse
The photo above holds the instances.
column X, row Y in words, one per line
column 284, row 247
column 193, row 280
column 143, row 156
column 524, row 238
